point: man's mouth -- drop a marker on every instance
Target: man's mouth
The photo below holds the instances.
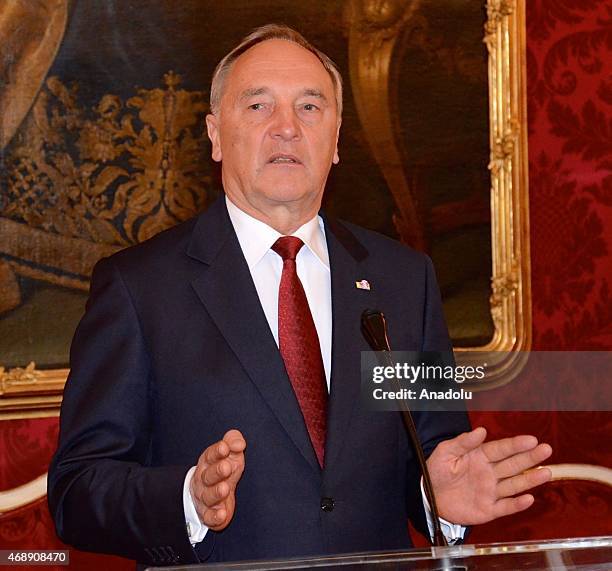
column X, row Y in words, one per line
column 284, row 159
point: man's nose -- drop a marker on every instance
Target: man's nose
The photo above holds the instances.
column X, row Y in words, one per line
column 285, row 124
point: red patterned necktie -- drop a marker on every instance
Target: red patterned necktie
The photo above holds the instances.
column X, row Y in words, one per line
column 299, row 346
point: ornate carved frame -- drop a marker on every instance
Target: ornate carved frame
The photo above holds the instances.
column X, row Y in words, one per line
column 374, row 29
column 375, row 33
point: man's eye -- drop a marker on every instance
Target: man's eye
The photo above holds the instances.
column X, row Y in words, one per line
column 256, row 106
column 310, row 107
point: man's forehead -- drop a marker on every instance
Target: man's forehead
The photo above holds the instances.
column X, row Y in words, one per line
column 278, row 60
column 249, row 92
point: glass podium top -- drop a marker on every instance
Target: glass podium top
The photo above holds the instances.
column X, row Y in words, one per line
column 590, row 553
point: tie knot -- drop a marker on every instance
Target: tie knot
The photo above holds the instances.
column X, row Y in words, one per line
column 287, row 247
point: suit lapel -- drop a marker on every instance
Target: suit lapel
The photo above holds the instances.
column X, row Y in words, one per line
column 348, row 303
column 226, row 289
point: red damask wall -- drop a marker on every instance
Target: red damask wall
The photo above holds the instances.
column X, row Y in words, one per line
column 569, row 81
column 569, row 65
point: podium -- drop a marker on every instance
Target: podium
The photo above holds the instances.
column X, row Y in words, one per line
column 589, row 553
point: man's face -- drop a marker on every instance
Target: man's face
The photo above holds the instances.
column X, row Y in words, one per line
column 277, row 130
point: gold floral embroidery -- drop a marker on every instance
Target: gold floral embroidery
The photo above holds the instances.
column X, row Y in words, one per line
column 116, row 174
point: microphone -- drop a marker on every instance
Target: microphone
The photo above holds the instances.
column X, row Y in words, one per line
column 374, row 329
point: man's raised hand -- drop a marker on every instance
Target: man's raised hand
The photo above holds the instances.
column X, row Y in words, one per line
column 476, row 481
column 213, row 485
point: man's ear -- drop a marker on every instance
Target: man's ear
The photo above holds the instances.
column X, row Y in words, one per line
column 212, row 126
column 336, row 158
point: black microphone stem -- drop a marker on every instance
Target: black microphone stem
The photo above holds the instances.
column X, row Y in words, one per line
column 374, row 328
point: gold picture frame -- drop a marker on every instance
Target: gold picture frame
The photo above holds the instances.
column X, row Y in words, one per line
column 29, row 392
column 374, row 35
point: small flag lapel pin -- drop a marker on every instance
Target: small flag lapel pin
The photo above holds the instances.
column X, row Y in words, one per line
column 363, row 284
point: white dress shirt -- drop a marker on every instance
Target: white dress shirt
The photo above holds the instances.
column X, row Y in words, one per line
column 312, row 262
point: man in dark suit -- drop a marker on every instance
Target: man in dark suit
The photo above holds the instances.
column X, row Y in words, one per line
column 186, row 435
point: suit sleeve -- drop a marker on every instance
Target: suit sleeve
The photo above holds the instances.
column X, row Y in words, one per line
column 432, row 427
column 103, row 493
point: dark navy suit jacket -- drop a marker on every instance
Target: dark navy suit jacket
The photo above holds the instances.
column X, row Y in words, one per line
column 175, row 349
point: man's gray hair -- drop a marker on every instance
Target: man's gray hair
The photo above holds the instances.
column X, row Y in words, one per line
column 259, row 35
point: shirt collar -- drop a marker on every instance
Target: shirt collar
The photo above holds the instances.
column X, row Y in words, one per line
column 256, row 237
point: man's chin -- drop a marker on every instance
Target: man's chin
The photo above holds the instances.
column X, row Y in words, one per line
column 281, row 190
column 288, row 196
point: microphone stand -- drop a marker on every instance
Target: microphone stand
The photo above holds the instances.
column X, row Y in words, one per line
column 374, row 329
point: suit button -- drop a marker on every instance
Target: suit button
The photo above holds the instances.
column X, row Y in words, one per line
column 327, row 504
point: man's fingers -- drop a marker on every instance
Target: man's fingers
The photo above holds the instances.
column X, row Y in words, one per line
column 217, row 451
column 232, row 441
column 518, row 484
column 237, row 445
column 465, row 442
column 213, row 495
column 509, row 506
column 235, row 440
column 520, row 462
column 219, row 469
column 214, row 517
column 498, row 450
column 217, row 472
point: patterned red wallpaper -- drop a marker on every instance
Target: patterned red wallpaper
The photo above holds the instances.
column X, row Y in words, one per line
column 569, row 66
column 569, row 82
